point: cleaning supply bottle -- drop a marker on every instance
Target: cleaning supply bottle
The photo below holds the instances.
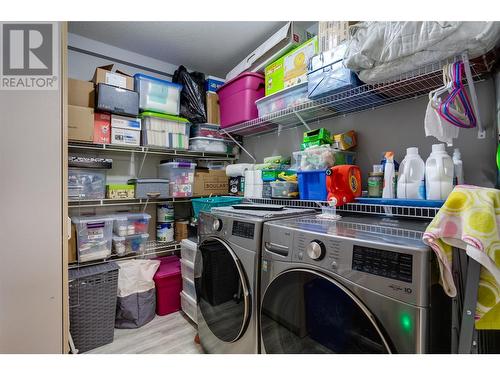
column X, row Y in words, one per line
column 438, row 173
column 376, row 181
column 458, row 168
column 389, row 173
column 411, row 182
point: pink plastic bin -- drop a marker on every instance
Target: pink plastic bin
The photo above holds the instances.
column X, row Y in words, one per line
column 168, row 281
column 237, row 99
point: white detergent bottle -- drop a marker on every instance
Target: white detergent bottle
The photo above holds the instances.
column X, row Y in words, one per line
column 438, row 173
column 389, row 175
column 411, row 182
column 458, row 168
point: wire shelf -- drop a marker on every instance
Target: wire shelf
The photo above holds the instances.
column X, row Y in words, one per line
column 152, row 150
column 361, row 208
column 368, row 96
column 153, row 248
column 83, row 203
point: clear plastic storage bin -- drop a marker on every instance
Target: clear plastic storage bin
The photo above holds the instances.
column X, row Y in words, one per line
column 322, row 157
column 206, row 130
column 207, row 144
column 284, row 189
column 189, row 288
column 86, row 184
column 130, row 244
column 187, row 269
column 130, row 224
column 157, row 95
column 165, row 131
column 283, row 99
column 93, row 237
column 180, row 176
column 188, row 250
column 188, row 305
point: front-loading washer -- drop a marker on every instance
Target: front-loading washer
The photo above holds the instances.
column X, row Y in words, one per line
column 357, row 285
column 227, row 277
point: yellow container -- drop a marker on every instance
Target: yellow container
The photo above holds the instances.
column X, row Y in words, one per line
column 345, row 141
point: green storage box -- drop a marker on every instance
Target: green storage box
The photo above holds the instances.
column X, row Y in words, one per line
column 315, row 135
column 120, row 191
column 290, row 69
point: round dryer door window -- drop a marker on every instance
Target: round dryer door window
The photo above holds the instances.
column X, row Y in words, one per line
column 222, row 290
column 306, row 312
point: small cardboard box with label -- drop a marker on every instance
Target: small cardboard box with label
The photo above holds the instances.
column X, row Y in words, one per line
column 117, row 78
column 102, row 128
column 291, row 69
column 208, row 182
column 125, row 130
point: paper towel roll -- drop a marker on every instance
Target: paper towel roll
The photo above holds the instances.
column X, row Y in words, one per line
column 237, row 170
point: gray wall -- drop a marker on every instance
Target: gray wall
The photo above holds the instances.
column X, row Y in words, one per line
column 396, row 127
column 31, row 273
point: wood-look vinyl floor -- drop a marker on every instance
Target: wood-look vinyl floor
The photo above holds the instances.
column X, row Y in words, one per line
column 169, row 334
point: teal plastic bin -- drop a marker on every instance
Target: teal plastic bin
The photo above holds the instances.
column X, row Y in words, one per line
column 206, row 204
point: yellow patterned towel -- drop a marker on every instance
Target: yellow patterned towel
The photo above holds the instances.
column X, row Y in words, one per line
column 470, row 220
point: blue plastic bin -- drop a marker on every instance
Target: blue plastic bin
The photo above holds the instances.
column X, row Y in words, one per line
column 206, row 204
column 312, row 185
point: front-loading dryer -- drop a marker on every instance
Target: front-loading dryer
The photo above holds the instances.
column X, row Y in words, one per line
column 227, row 276
column 357, row 285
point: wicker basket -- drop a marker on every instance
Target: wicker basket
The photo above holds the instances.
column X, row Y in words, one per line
column 92, row 296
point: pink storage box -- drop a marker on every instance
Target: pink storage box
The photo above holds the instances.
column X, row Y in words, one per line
column 168, row 282
column 237, row 99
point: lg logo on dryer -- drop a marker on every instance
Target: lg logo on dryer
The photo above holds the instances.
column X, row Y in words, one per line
column 29, row 56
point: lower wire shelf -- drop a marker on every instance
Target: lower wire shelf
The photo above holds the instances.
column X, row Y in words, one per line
column 153, row 248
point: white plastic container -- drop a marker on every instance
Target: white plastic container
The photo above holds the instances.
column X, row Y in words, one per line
column 187, row 269
column 188, row 250
column 93, row 235
column 165, row 131
column 130, row 224
column 86, row 183
column 130, row 244
column 389, row 175
column 438, row 173
column 411, row 182
column 458, row 168
column 157, row 95
column 188, row 305
column 180, row 176
column 321, row 157
column 207, row 144
column 283, row 99
column 189, row 288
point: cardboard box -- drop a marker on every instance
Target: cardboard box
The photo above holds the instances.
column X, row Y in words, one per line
column 117, row 100
column 213, row 110
column 81, row 93
column 102, row 128
column 208, row 182
column 80, row 123
column 125, row 137
column 105, row 74
column 72, row 245
column 237, row 185
column 291, row 69
column 125, row 122
column 213, row 83
column 284, row 40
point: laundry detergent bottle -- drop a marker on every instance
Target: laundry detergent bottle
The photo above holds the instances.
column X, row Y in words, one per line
column 438, row 173
column 411, row 182
column 389, row 176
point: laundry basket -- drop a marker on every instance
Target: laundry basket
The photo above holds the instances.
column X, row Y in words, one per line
column 92, row 305
column 206, row 204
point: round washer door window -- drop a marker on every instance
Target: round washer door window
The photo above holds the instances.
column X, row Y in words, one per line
column 306, row 312
column 222, row 290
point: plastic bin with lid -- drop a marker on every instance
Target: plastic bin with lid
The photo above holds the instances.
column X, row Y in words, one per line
column 321, row 157
column 188, row 287
column 84, row 183
column 165, row 131
column 180, row 176
column 188, row 250
column 189, row 306
column 157, row 95
column 237, row 98
column 168, row 285
column 93, row 236
column 127, row 224
column 124, row 245
column 206, row 130
column 284, row 189
column 283, row 99
column 208, row 144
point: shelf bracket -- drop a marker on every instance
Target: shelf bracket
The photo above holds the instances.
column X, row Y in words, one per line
column 302, row 120
column 481, row 134
column 239, row 144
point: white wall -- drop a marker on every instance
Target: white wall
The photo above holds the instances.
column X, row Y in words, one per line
column 396, row 127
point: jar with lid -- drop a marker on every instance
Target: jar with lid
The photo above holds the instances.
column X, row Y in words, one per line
column 376, row 182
